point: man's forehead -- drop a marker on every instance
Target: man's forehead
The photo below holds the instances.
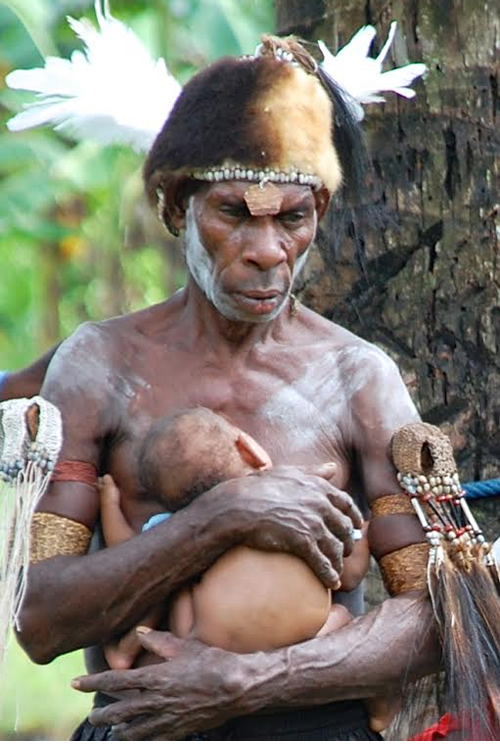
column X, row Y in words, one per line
column 261, row 198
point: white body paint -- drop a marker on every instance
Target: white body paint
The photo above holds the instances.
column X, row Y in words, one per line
column 201, row 267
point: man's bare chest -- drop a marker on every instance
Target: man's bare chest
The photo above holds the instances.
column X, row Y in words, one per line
column 289, row 410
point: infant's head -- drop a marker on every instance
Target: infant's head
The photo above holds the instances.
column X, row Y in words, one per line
column 189, row 452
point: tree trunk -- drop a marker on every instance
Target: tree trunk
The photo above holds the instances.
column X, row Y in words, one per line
column 420, row 276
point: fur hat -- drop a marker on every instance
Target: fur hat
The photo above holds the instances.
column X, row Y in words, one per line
column 267, row 118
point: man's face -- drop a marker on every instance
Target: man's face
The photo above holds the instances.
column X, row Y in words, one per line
column 246, row 264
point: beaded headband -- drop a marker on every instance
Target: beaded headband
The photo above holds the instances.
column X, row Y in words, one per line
column 240, row 172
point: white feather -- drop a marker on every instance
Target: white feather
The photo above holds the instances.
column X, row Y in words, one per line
column 113, row 91
column 361, row 76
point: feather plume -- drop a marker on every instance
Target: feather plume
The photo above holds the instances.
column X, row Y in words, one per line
column 361, row 76
column 463, row 586
column 113, row 91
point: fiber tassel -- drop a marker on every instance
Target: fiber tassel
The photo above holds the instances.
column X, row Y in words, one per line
column 30, row 441
column 463, row 585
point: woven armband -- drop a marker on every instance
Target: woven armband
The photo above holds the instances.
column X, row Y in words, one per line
column 405, row 569
column 392, row 504
column 403, row 555
column 53, row 535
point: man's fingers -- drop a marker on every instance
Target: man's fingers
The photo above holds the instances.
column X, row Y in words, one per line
column 324, row 571
column 164, row 644
column 125, row 709
column 333, row 550
column 161, row 727
column 345, row 503
column 322, row 564
column 109, row 681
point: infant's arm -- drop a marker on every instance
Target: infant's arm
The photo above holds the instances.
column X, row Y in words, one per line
column 356, row 565
column 120, row 654
column 114, row 525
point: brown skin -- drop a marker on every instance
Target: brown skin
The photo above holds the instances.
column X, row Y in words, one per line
column 343, row 395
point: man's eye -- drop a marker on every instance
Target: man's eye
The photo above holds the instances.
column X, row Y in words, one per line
column 236, row 211
column 291, row 217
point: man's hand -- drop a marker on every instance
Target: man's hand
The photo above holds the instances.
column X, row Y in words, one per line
column 287, row 510
column 197, row 688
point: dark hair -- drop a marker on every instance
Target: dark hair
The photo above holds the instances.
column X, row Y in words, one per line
column 166, row 473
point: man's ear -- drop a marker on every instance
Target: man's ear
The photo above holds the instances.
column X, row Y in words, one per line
column 175, row 201
column 322, row 200
column 251, row 452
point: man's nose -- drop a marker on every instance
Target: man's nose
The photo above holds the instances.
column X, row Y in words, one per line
column 263, row 247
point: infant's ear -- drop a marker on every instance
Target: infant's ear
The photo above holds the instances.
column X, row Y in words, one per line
column 252, row 453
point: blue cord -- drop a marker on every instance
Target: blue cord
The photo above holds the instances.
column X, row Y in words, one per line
column 3, row 377
column 482, row 489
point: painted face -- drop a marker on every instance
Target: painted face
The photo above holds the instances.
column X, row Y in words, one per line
column 246, row 264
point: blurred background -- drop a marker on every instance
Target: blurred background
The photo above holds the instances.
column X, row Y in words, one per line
column 78, row 241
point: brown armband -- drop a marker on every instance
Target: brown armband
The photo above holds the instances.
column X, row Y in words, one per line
column 398, row 544
column 75, row 470
column 53, row 535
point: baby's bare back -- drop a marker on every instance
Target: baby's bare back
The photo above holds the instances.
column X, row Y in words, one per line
column 252, row 600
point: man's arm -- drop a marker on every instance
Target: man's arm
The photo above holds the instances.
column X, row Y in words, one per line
column 199, row 687
column 75, row 601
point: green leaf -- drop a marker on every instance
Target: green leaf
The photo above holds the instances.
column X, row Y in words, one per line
column 37, row 17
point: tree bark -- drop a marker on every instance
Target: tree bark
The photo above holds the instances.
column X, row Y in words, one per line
column 419, row 273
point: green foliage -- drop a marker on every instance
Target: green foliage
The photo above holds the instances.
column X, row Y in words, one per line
column 37, row 702
column 77, row 240
column 68, row 210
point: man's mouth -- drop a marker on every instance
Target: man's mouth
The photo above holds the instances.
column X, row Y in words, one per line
column 260, row 302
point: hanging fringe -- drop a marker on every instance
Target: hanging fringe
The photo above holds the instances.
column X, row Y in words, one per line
column 464, row 588
column 30, row 441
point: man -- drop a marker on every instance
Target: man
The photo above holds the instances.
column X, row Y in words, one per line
column 245, row 166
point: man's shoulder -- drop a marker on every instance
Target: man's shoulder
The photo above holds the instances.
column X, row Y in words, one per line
column 89, row 338
column 112, row 332
column 350, row 346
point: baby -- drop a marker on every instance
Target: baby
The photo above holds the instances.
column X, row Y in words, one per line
column 249, row 599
